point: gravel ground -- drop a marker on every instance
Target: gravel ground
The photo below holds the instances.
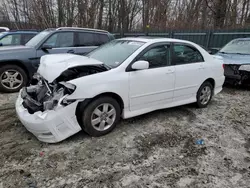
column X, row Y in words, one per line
column 158, row 149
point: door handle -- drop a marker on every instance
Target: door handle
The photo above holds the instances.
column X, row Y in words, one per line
column 170, row 71
column 71, row 51
column 201, row 67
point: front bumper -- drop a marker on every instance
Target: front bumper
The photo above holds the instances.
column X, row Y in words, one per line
column 237, row 74
column 49, row 126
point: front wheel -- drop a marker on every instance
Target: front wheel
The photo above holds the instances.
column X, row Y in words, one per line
column 12, row 78
column 100, row 116
column 204, row 94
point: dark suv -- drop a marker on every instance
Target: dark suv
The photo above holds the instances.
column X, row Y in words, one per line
column 12, row 38
column 19, row 63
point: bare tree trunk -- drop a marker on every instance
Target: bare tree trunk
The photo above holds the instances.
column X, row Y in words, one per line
column 220, row 13
column 99, row 25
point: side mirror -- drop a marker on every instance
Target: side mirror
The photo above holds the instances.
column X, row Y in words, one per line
column 210, row 52
column 140, row 65
column 1, row 44
column 46, row 47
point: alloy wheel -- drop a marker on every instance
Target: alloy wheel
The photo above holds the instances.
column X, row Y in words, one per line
column 103, row 117
column 11, row 79
column 205, row 95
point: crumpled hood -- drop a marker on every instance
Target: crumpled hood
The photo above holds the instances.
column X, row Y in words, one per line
column 51, row 66
column 236, row 59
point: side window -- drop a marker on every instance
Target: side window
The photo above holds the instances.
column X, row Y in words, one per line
column 27, row 37
column 157, row 56
column 6, row 40
column 102, row 39
column 183, row 54
column 86, row 39
column 11, row 40
column 59, row 40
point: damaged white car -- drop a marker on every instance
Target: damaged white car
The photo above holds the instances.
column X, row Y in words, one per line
column 124, row 78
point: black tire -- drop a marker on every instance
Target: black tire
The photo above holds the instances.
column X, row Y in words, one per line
column 17, row 86
column 86, row 114
column 199, row 95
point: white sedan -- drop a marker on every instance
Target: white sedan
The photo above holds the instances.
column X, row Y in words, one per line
column 121, row 79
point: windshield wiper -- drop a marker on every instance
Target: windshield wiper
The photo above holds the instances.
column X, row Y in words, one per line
column 242, row 54
column 234, row 53
column 106, row 66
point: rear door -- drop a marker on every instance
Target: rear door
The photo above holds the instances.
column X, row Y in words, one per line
column 190, row 70
column 86, row 42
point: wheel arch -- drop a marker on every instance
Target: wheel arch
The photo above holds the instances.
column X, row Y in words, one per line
column 211, row 81
column 17, row 63
column 84, row 104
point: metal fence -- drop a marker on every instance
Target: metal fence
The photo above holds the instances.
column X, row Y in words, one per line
column 207, row 38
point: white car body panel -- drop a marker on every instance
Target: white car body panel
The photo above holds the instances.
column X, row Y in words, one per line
column 141, row 91
column 152, row 92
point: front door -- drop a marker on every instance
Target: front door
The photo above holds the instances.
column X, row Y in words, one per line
column 153, row 87
column 190, row 71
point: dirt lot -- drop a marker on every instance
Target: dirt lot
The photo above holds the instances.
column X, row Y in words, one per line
column 158, row 149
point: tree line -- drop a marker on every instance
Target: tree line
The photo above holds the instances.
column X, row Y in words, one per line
column 126, row 15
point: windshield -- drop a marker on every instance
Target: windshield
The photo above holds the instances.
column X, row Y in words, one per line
column 237, row 47
column 36, row 39
column 115, row 52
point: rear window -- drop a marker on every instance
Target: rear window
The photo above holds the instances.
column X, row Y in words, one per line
column 91, row 39
column 103, row 39
column 27, row 37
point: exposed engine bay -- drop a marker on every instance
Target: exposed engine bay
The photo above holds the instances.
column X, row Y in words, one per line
column 42, row 95
column 237, row 74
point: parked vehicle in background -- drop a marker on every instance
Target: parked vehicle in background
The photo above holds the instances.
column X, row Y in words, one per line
column 236, row 56
column 19, row 63
column 2, row 29
column 13, row 38
column 210, row 50
column 123, row 78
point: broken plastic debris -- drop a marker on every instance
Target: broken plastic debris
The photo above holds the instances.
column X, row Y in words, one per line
column 41, row 153
column 200, row 142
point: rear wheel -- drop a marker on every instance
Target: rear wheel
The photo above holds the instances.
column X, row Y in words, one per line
column 204, row 94
column 12, row 78
column 100, row 116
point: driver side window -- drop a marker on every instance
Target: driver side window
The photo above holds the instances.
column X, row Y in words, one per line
column 157, row 56
column 60, row 40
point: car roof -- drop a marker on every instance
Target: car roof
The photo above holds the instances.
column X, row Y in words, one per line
column 19, row 32
column 62, row 29
column 22, row 32
column 153, row 40
column 242, row 38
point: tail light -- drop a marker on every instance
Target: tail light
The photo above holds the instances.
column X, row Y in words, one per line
column 223, row 65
